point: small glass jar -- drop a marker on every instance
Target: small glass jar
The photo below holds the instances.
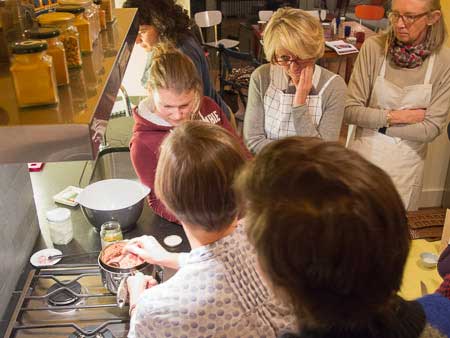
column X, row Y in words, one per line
column 31, row 62
column 110, row 232
column 83, row 26
column 55, row 50
column 90, row 14
column 106, row 5
column 102, row 14
column 60, row 223
column 69, row 35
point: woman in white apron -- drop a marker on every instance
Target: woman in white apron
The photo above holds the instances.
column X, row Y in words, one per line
column 399, row 95
column 291, row 95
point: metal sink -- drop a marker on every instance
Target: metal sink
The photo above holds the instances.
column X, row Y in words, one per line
column 113, row 162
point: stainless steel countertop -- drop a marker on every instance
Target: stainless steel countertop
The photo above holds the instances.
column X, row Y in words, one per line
column 72, row 129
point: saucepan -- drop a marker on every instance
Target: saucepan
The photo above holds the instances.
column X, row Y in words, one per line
column 115, row 267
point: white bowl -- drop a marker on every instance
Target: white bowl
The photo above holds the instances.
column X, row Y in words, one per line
column 429, row 259
column 113, row 200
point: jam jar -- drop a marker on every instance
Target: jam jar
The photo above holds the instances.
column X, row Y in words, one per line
column 55, row 50
column 30, row 61
column 90, row 14
column 82, row 25
column 69, row 35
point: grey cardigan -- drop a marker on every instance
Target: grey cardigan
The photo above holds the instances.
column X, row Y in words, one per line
column 333, row 101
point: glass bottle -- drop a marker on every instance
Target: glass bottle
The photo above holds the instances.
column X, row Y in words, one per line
column 83, row 26
column 90, row 14
column 102, row 14
column 55, row 50
column 30, row 61
column 69, row 35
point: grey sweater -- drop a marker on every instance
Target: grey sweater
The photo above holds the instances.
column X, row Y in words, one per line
column 332, row 107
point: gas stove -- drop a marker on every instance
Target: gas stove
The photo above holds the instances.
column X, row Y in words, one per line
column 67, row 300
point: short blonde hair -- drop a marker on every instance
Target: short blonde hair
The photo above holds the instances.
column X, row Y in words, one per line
column 171, row 69
column 196, row 169
column 296, row 31
column 437, row 33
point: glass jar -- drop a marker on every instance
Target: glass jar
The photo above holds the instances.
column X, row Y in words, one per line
column 69, row 35
column 106, row 5
column 90, row 14
column 110, row 232
column 102, row 14
column 30, row 61
column 55, row 50
column 60, row 223
column 82, row 25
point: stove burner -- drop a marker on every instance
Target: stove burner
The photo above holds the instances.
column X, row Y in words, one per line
column 104, row 333
column 63, row 297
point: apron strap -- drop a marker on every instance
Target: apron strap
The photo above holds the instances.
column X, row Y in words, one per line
column 429, row 69
column 326, row 84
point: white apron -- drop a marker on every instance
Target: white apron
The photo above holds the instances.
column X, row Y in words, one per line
column 403, row 160
column 278, row 119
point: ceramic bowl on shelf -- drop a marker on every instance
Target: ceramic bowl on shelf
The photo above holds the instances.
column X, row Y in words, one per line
column 118, row 200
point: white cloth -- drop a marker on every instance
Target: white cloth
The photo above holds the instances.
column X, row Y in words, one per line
column 216, row 293
column 403, row 160
column 279, row 121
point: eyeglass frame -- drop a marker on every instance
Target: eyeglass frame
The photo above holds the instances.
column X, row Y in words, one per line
column 395, row 16
column 291, row 60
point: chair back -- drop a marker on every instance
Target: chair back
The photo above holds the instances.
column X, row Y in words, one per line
column 314, row 13
column 369, row 12
column 208, row 18
column 265, row 15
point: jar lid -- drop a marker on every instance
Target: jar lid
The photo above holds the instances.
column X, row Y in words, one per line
column 58, row 215
column 42, row 33
column 83, row 3
column 74, row 9
column 55, row 18
column 97, row 2
column 29, row 46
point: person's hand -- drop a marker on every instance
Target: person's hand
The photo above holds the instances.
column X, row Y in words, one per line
column 303, row 84
column 148, row 249
column 407, row 116
column 137, row 284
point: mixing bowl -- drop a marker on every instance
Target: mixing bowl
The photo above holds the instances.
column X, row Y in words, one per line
column 118, row 200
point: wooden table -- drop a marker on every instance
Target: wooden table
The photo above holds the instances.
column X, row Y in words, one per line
column 349, row 59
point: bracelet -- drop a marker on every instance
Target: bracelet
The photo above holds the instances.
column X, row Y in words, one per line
column 388, row 118
column 131, row 309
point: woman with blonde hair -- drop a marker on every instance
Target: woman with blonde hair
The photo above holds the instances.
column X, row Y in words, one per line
column 292, row 95
column 217, row 290
column 399, row 94
column 175, row 96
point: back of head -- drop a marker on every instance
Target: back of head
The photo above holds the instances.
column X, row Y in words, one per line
column 295, row 31
column 169, row 18
column 195, row 174
column 329, row 228
column 172, row 70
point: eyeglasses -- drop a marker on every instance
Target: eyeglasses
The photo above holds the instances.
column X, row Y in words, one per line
column 408, row 20
column 287, row 60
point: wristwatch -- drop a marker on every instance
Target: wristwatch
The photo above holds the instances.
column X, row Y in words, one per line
column 389, row 118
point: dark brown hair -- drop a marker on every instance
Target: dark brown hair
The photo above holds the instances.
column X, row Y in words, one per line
column 170, row 19
column 195, row 174
column 329, row 228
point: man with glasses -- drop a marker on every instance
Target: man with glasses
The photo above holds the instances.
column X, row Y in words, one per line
column 292, row 95
column 399, row 94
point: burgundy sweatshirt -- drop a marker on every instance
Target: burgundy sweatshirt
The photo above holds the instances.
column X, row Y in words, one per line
column 146, row 140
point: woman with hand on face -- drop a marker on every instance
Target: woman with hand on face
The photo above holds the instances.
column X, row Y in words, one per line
column 175, row 96
column 166, row 21
column 217, row 290
column 399, row 94
column 292, row 95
